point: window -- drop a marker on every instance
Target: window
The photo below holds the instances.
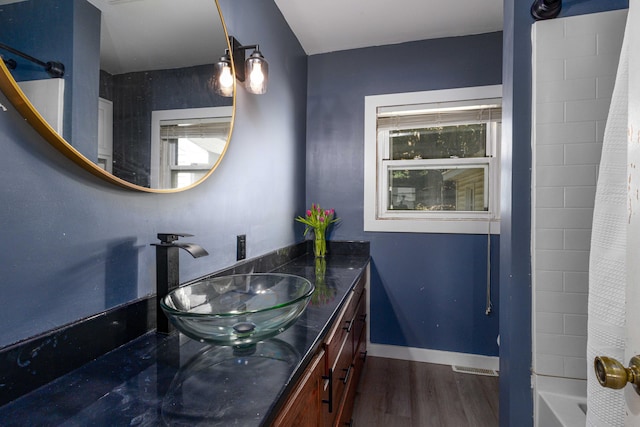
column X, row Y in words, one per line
column 431, row 161
column 187, row 143
column 189, row 148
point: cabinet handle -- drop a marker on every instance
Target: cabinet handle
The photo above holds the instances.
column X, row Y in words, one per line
column 364, row 355
column 349, row 323
column 363, row 317
column 346, row 375
column 329, row 401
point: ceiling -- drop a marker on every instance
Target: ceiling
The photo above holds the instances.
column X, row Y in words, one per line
column 142, row 35
column 320, row 25
column 331, row 25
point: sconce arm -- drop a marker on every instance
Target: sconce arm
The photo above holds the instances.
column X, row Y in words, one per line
column 238, row 51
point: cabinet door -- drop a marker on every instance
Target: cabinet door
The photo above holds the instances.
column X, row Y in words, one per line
column 339, row 330
column 303, row 408
column 359, row 324
column 345, row 411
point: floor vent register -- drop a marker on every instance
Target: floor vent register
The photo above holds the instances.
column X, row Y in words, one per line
column 476, row 371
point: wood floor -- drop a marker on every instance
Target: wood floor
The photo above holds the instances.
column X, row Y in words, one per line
column 399, row 393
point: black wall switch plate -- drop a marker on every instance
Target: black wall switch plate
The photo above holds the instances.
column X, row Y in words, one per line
column 241, row 247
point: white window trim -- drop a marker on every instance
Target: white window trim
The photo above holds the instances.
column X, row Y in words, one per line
column 462, row 223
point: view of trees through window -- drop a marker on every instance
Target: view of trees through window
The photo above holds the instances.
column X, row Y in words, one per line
column 457, row 188
column 443, row 142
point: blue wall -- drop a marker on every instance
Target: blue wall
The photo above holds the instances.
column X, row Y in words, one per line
column 66, row 31
column 43, row 30
column 77, row 246
column 85, row 78
column 516, row 404
column 428, row 290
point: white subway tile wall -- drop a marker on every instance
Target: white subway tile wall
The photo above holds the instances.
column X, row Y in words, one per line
column 574, row 68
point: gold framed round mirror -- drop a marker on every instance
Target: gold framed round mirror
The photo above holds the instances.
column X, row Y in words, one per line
column 136, row 104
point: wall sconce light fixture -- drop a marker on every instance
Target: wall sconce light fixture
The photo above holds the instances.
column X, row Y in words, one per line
column 254, row 71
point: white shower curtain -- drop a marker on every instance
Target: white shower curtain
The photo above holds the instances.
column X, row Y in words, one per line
column 607, row 265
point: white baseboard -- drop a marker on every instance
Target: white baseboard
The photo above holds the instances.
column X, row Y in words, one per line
column 433, row 356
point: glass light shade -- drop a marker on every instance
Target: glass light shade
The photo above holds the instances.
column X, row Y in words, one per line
column 256, row 73
column 223, row 77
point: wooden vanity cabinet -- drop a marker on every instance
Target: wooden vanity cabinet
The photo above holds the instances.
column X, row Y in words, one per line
column 359, row 342
column 325, row 394
column 345, row 347
column 304, row 405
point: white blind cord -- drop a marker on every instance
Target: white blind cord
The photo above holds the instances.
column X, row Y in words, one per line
column 489, row 305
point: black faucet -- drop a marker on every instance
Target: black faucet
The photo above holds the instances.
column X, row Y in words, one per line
column 168, row 271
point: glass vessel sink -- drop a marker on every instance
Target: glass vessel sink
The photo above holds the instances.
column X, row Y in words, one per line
column 238, row 309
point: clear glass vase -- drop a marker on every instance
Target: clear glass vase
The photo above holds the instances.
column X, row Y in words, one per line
column 319, row 244
column 324, row 292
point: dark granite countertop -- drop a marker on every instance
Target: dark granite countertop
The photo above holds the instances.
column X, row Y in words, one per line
column 159, row 379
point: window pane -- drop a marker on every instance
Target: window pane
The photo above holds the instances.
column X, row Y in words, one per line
column 181, row 179
column 441, row 142
column 189, row 152
column 456, row 189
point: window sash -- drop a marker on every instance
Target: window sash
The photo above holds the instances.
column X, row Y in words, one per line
column 385, row 188
column 492, row 133
column 489, row 162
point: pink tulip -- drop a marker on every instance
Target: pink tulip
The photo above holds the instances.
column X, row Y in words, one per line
column 309, row 212
column 321, row 219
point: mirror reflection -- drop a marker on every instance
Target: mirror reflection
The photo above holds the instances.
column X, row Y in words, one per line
column 136, row 97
